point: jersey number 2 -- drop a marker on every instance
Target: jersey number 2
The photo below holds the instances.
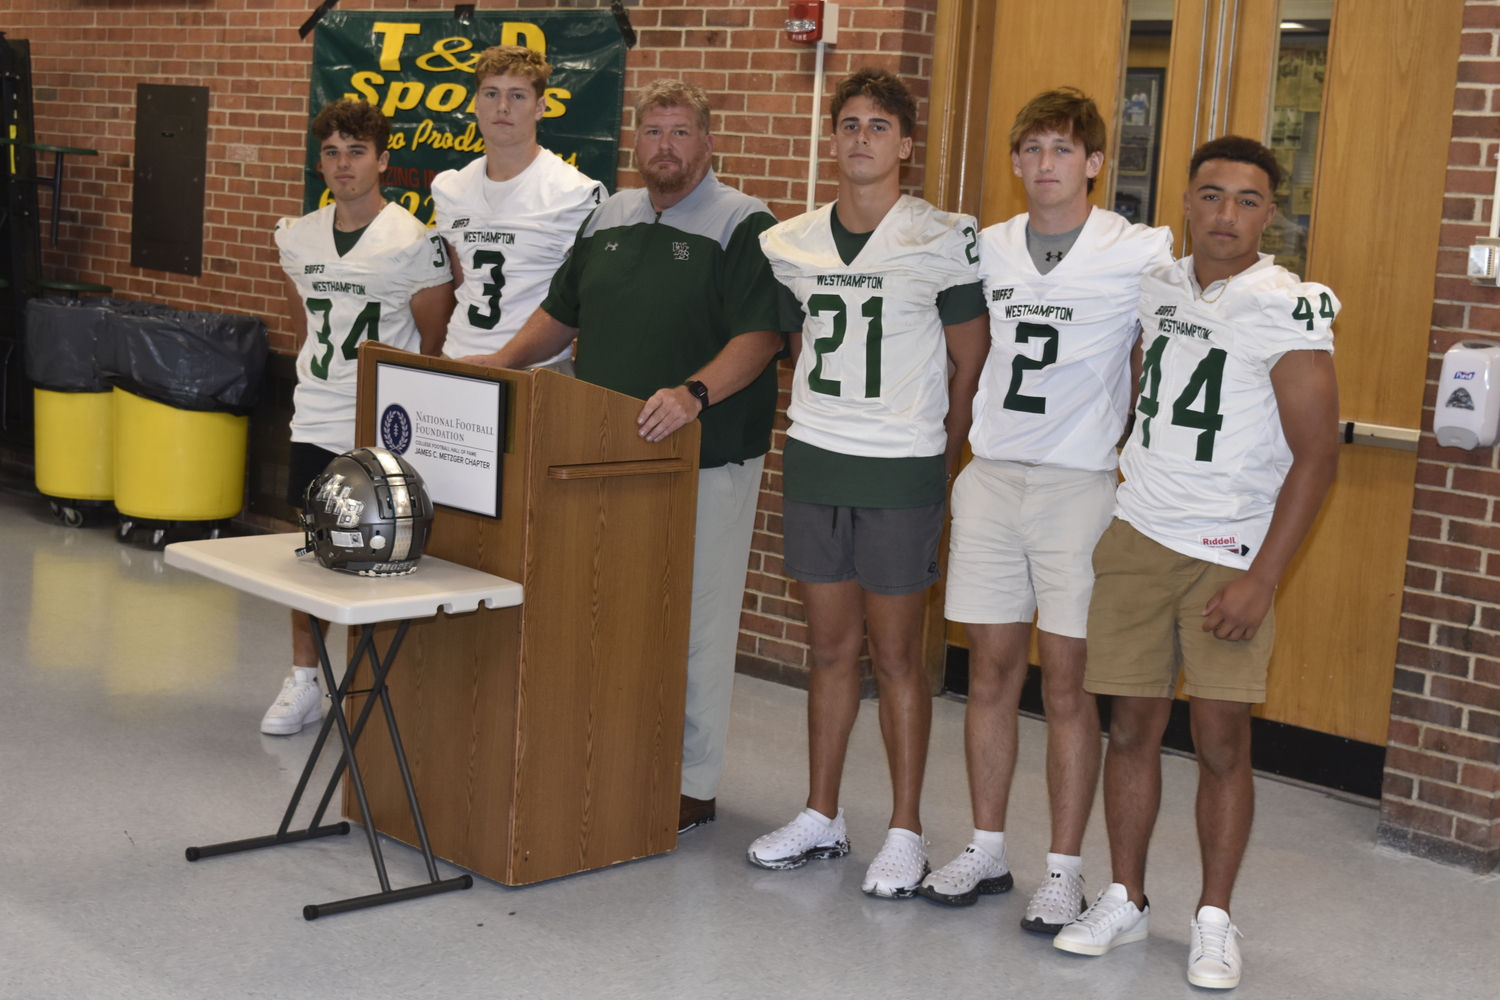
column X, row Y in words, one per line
column 818, row 305
column 1021, row 364
column 494, row 260
column 1207, row 379
column 366, row 324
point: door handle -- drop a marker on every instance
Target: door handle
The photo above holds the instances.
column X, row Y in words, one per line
column 1379, row 435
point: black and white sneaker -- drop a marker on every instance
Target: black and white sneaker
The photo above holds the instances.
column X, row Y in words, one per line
column 963, row 880
column 1057, row 903
column 805, row 838
column 900, row 866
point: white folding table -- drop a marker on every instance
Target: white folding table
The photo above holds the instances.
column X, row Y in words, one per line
column 267, row 566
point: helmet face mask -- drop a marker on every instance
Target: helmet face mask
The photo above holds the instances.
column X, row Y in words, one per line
column 369, row 513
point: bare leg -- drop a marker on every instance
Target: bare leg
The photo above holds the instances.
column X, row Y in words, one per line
column 997, row 672
column 304, row 650
column 835, row 627
column 895, row 626
column 1226, row 793
column 1132, row 786
column 1073, row 749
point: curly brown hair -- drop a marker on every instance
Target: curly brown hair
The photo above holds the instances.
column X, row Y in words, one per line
column 354, row 118
column 884, row 88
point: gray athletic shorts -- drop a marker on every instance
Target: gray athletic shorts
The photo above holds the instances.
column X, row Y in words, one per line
column 885, row 551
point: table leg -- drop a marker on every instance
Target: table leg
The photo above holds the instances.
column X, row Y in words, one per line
column 380, row 667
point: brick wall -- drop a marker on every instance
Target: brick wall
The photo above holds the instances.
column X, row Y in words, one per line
column 88, row 56
column 1443, row 761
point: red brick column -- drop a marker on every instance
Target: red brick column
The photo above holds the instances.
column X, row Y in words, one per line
column 1443, row 760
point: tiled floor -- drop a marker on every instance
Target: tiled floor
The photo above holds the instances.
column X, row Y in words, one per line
column 128, row 730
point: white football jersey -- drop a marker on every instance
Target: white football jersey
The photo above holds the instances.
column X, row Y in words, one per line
column 1207, row 457
column 510, row 237
column 363, row 295
column 1056, row 385
column 872, row 378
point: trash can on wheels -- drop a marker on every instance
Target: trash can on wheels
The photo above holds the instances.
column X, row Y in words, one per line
column 74, row 412
column 185, row 383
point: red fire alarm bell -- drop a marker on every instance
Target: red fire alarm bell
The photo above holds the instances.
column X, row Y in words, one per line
column 804, row 21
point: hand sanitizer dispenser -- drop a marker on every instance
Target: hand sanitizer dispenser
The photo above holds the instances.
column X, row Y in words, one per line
column 1468, row 398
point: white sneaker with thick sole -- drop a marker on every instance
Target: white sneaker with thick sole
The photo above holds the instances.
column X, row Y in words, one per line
column 963, row 880
column 802, row 840
column 1112, row 920
column 299, row 704
column 1214, row 959
column 1057, row 902
column 899, row 867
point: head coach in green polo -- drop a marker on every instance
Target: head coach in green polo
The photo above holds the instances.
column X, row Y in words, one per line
column 672, row 301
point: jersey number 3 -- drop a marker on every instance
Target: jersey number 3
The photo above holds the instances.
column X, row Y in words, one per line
column 366, row 324
column 818, row 305
column 494, row 260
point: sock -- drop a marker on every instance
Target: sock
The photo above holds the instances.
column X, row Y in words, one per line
column 305, row 675
column 1072, row 863
column 991, row 843
column 906, row 834
column 818, row 816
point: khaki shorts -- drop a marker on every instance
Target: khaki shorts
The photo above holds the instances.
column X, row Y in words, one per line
column 1146, row 620
column 1021, row 544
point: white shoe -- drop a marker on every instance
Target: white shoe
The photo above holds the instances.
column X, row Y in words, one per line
column 1058, row 902
column 299, row 704
column 1214, row 960
column 806, row 837
column 961, row 881
column 899, row 867
column 1112, row 920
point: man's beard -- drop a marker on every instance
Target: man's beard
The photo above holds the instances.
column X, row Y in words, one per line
column 669, row 183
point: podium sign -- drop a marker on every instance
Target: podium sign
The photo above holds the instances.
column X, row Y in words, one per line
column 451, row 428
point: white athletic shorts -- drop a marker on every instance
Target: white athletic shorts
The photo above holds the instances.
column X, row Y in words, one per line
column 1022, row 543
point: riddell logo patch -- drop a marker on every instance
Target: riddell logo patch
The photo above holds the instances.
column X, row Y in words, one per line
column 1220, row 541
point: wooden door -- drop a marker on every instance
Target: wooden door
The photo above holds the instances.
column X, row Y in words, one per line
column 1391, row 73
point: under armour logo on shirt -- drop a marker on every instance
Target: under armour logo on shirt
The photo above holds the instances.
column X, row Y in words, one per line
column 1055, row 255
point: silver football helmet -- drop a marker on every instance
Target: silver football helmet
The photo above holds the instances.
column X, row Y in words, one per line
column 368, row 513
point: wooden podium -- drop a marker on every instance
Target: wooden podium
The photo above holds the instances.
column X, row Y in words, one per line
column 547, row 739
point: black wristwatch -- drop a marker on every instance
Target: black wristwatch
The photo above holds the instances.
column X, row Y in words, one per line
column 699, row 392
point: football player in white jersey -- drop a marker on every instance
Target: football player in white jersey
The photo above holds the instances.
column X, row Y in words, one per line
column 1061, row 281
column 1234, row 448
column 509, row 216
column 889, row 293
column 360, row 268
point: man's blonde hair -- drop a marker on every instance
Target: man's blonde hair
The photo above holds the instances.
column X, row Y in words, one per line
column 513, row 60
column 673, row 94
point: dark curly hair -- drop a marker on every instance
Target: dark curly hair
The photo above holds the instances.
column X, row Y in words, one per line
column 882, row 87
column 1238, row 149
column 356, row 119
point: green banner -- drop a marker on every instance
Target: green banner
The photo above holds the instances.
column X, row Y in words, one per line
column 416, row 68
